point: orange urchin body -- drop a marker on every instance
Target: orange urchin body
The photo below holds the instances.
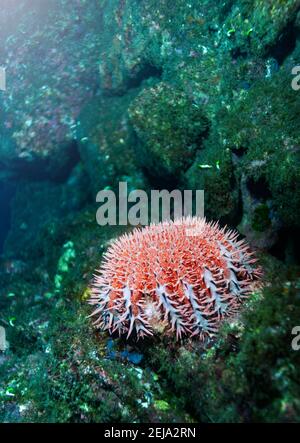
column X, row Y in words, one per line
column 188, row 274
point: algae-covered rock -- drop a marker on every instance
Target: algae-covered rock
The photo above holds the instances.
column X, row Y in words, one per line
column 49, row 79
column 106, row 142
column 58, row 368
column 243, row 377
column 129, row 36
column 262, row 129
column 258, row 25
column 217, row 63
column 169, row 129
column 213, row 172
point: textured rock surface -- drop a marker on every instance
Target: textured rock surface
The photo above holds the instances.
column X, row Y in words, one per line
column 107, row 143
column 217, row 60
column 169, row 129
column 188, row 76
column 51, row 68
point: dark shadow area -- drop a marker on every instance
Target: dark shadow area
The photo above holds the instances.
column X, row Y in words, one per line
column 56, row 169
column 285, row 44
column 7, row 192
column 259, row 188
column 147, row 71
column 287, row 248
column 144, row 72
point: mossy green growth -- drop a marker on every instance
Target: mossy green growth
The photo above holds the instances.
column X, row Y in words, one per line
column 162, row 405
column 261, row 218
column 255, row 24
column 68, row 254
column 250, row 373
column 169, row 128
column 263, row 127
column 212, row 171
column 69, row 377
column 58, row 368
column 64, row 263
column 106, row 142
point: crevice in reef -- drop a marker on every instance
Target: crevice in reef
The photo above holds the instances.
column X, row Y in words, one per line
column 166, row 181
column 146, row 72
column 259, row 188
column 238, row 53
column 287, row 247
column 55, row 169
column 285, row 44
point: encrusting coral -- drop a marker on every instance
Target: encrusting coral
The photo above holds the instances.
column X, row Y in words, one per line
column 188, row 274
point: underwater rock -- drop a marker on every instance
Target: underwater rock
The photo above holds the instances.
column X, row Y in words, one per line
column 261, row 27
column 49, row 78
column 262, row 129
column 106, row 143
column 259, row 224
column 213, row 172
column 223, row 57
column 130, row 38
column 169, row 130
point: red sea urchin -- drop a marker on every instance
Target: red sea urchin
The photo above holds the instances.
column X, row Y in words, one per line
column 185, row 275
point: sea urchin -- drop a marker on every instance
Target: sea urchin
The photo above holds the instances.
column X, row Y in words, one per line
column 184, row 276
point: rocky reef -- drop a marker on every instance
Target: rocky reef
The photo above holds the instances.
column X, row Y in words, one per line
column 161, row 95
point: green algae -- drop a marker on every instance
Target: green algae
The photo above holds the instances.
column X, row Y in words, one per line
column 261, row 218
column 169, row 128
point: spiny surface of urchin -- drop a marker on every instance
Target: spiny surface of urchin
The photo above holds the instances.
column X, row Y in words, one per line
column 183, row 276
